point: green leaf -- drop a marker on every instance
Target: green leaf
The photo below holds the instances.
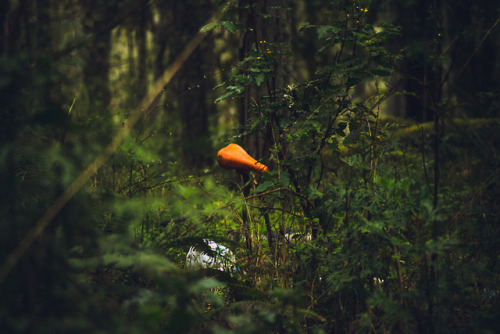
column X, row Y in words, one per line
column 285, row 179
column 236, row 89
column 259, row 79
column 264, row 186
column 229, row 26
column 208, row 27
column 314, row 193
column 323, row 30
column 224, row 96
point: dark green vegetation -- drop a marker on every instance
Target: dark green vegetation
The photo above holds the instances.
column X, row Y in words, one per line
column 379, row 121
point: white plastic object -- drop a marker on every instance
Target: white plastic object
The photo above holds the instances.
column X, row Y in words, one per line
column 223, row 258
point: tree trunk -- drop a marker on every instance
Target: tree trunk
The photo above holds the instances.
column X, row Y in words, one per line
column 267, row 22
column 193, row 104
column 96, row 54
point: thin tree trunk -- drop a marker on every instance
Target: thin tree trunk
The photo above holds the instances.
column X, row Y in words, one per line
column 193, row 104
column 96, row 55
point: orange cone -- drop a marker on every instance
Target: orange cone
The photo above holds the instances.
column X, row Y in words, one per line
column 233, row 156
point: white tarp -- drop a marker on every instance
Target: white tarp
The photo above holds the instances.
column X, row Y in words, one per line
column 222, row 258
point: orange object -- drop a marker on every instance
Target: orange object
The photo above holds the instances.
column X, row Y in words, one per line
column 233, row 156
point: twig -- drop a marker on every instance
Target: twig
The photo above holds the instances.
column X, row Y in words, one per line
column 276, row 190
column 276, row 209
column 478, row 47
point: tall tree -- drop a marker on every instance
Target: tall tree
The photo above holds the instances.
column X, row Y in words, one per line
column 96, row 55
column 446, row 46
column 193, row 105
column 267, row 29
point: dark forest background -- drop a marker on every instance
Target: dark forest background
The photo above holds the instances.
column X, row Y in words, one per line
column 379, row 121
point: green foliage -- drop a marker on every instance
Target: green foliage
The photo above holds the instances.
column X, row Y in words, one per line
column 360, row 226
column 381, row 255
